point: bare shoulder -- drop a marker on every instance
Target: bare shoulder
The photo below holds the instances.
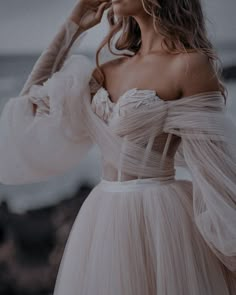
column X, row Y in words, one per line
column 195, row 74
column 108, row 67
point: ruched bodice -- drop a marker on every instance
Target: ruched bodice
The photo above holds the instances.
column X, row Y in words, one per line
column 115, row 115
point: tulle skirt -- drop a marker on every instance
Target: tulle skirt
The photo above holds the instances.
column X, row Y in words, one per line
column 138, row 237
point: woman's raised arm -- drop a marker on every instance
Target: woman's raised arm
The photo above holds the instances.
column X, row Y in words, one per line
column 38, row 143
column 85, row 15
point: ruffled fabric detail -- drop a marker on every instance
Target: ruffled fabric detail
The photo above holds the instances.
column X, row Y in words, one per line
column 39, row 97
column 101, row 105
column 132, row 99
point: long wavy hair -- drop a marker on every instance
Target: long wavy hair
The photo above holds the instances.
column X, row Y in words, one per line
column 181, row 23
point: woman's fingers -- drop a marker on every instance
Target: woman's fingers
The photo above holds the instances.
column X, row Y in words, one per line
column 101, row 9
column 88, row 13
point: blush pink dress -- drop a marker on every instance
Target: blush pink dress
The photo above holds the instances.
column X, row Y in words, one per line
column 140, row 231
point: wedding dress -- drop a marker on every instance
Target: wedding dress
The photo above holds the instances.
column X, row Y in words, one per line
column 140, row 231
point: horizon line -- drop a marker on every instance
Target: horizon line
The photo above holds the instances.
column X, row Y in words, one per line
column 227, row 45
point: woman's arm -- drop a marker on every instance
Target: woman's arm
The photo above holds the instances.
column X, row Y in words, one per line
column 84, row 16
column 35, row 147
column 52, row 58
column 207, row 133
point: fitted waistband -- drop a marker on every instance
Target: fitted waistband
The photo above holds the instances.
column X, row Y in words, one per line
column 133, row 184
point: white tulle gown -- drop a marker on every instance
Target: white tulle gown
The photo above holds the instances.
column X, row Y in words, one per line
column 140, row 231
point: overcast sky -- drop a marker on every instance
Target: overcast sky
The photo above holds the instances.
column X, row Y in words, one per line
column 27, row 26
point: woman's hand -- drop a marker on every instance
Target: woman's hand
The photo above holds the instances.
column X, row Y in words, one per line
column 88, row 13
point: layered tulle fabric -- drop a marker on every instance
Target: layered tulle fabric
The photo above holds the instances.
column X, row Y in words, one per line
column 36, row 147
column 139, row 238
column 209, row 149
column 53, row 57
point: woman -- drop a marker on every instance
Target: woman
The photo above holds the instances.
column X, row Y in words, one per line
column 140, row 231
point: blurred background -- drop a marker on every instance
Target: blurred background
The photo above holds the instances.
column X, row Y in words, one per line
column 35, row 220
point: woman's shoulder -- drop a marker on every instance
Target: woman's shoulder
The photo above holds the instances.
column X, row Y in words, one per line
column 97, row 79
column 195, row 73
column 192, row 62
column 108, row 67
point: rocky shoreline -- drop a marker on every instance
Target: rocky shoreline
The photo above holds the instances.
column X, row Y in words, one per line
column 229, row 73
column 32, row 244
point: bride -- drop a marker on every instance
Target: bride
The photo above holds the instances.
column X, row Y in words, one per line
column 160, row 104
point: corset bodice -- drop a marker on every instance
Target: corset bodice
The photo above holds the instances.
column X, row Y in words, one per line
column 136, row 102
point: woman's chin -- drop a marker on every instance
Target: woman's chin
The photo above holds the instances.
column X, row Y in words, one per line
column 119, row 11
column 127, row 7
column 119, row 8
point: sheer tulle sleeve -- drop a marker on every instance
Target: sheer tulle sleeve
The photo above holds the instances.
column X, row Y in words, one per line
column 52, row 58
column 34, row 147
column 209, row 150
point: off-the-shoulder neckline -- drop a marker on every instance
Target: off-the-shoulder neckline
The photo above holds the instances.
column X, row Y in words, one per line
column 154, row 92
column 151, row 91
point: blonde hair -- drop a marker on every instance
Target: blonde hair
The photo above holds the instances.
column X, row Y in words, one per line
column 182, row 24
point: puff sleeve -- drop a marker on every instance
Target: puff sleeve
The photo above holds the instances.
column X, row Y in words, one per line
column 34, row 147
column 209, row 149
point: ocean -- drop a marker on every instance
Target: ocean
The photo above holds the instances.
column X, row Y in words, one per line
column 14, row 71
